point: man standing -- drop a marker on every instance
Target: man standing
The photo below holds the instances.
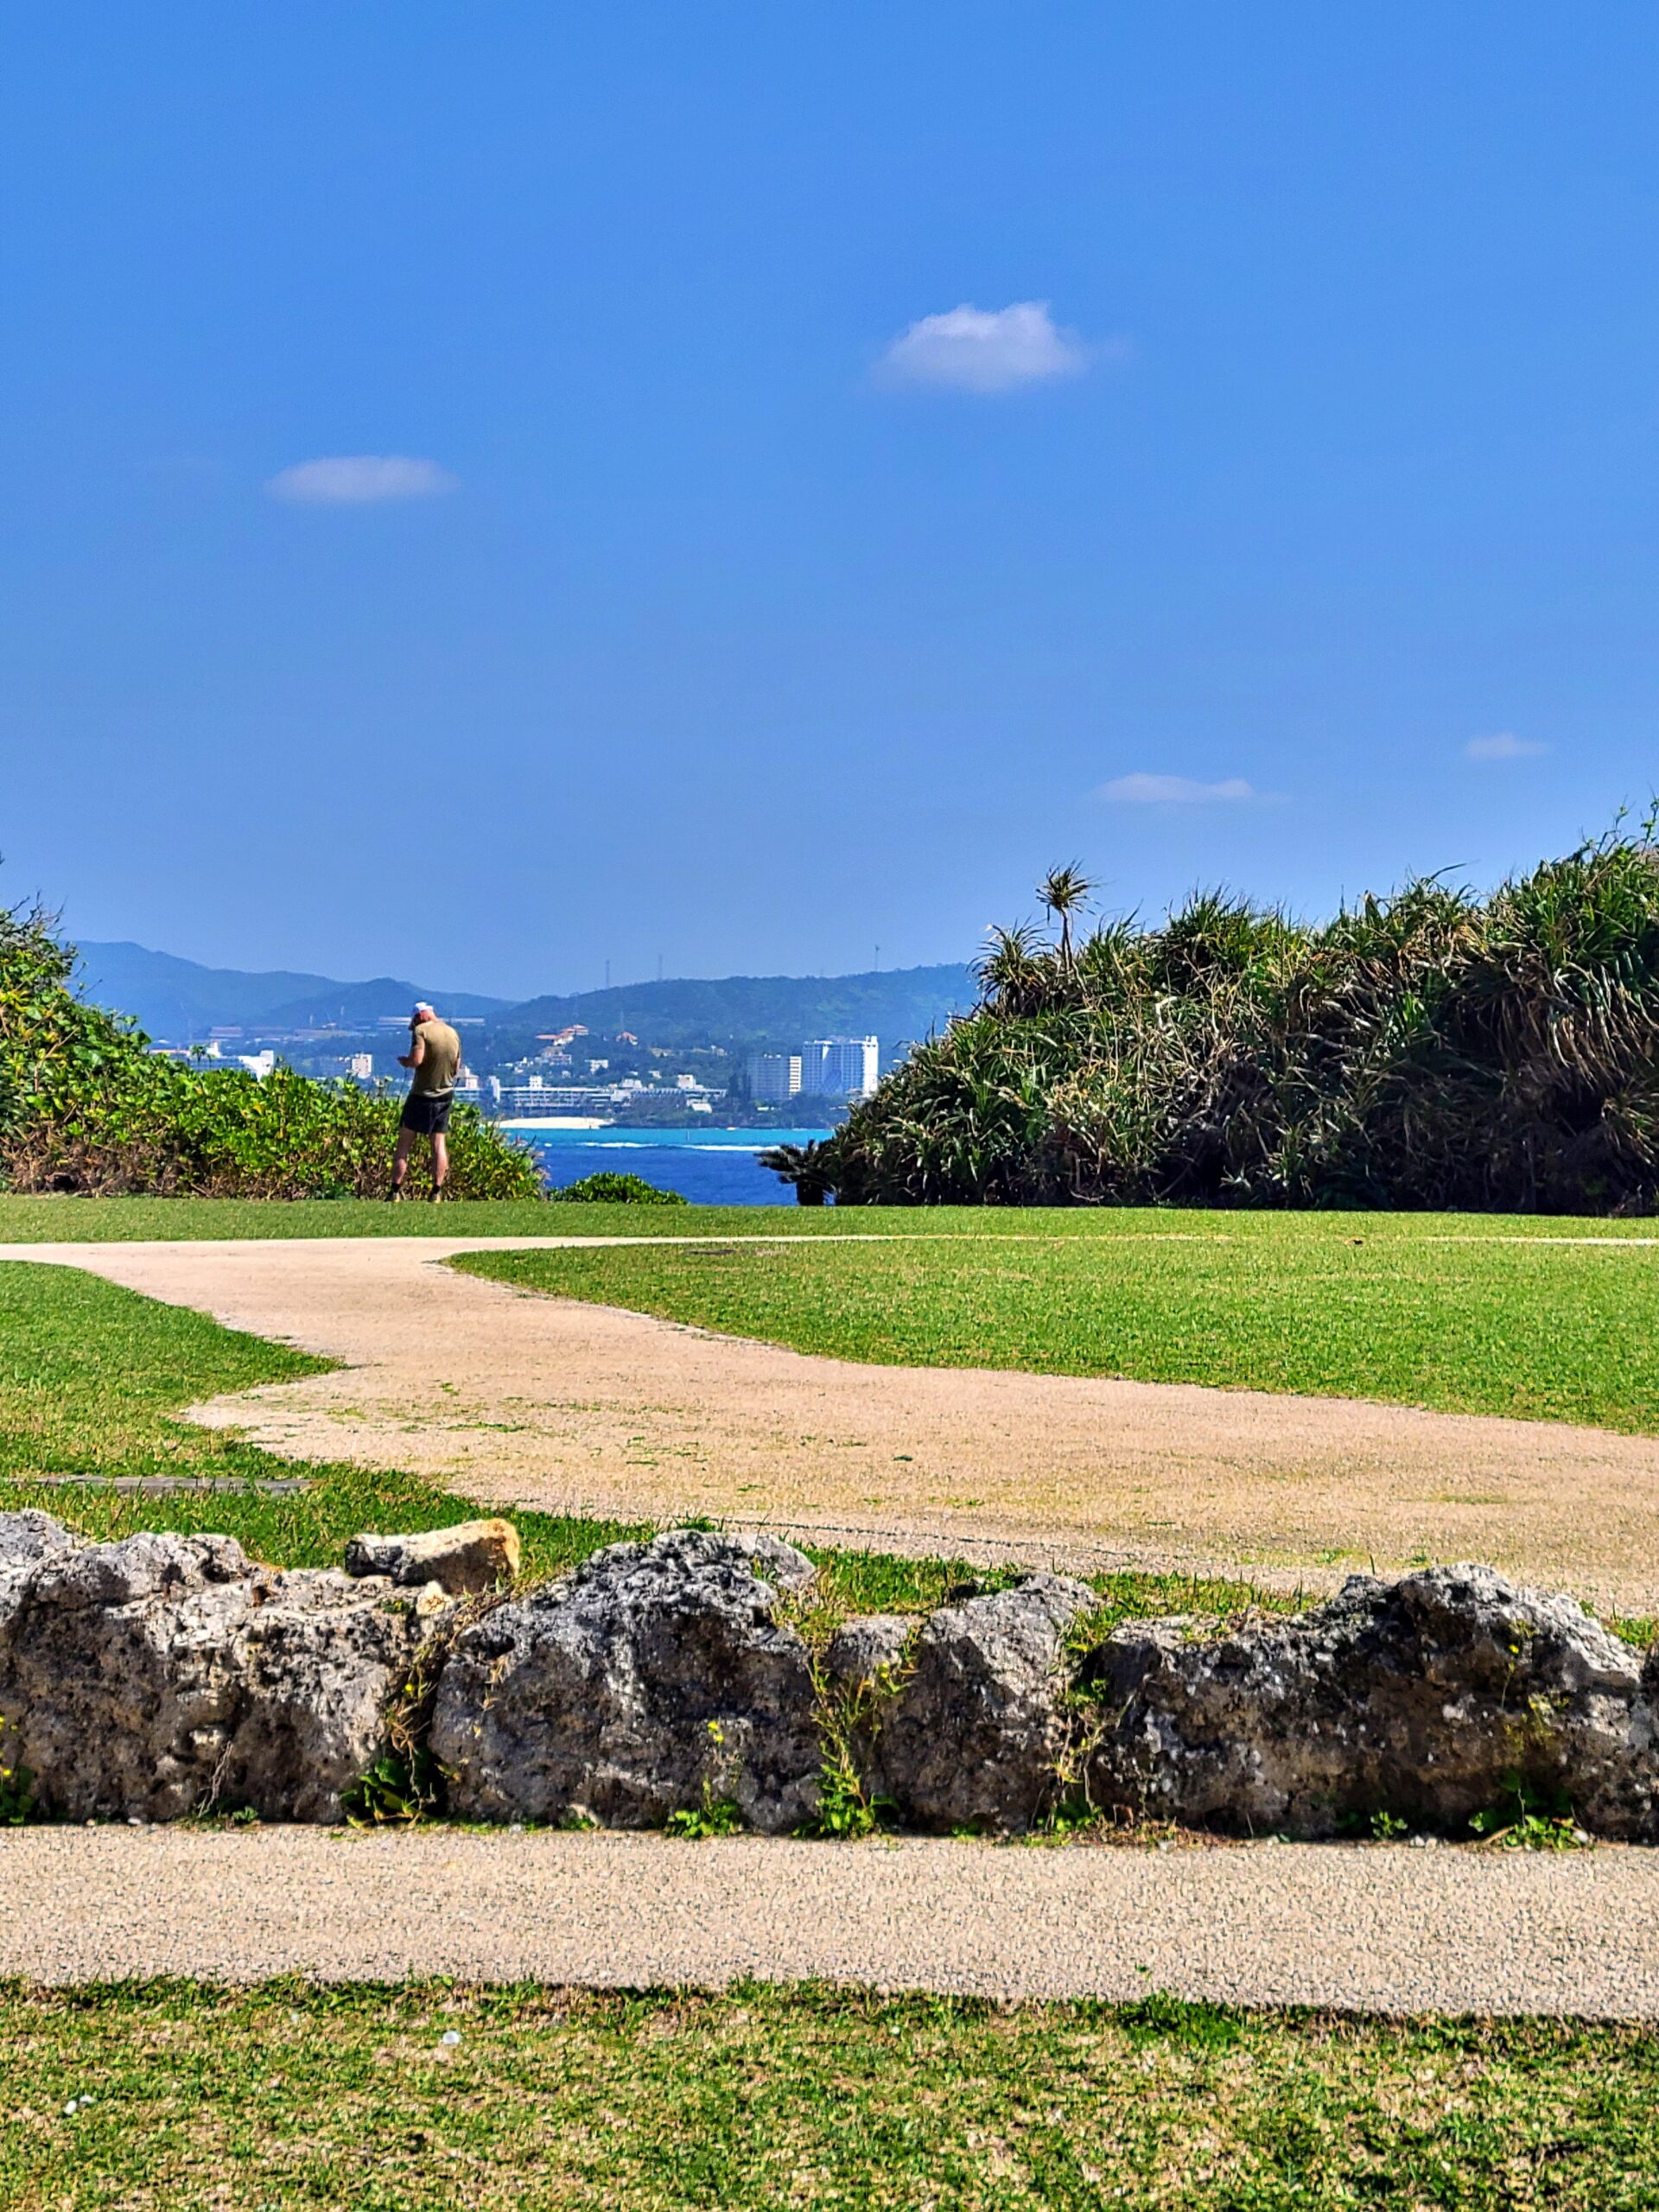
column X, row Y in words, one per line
column 434, row 1055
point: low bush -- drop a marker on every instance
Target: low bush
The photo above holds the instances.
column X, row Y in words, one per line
column 86, row 1107
column 1430, row 1050
column 608, row 1188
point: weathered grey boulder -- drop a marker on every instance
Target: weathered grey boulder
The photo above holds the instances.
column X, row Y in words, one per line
column 472, row 1555
column 1424, row 1698
column 618, row 1692
column 867, row 1648
column 162, row 1674
column 25, row 1539
column 974, row 1738
column 27, row 1536
column 322, row 1657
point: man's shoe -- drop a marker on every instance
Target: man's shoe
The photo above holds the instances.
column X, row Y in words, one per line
column 437, row 1196
column 395, row 1195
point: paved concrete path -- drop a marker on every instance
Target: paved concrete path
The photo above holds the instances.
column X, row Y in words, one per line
column 1377, row 1929
column 515, row 1399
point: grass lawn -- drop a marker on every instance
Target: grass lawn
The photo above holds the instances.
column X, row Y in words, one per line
column 1463, row 1314
column 291, row 2095
column 93, row 1379
column 124, row 1221
column 63, row 1220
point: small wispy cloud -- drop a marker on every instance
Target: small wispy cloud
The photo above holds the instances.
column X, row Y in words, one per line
column 985, row 350
column 1173, row 791
column 1504, row 745
column 357, row 479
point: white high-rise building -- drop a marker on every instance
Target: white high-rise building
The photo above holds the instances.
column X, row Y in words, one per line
column 774, row 1078
column 840, row 1067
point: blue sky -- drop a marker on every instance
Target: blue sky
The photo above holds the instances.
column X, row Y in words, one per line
column 693, row 578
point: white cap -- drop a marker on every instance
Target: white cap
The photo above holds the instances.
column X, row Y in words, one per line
column 423, row 1007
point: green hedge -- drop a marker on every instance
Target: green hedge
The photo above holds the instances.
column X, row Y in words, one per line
column 607, row 1188
column 86, row 1107
column 1429, row 1050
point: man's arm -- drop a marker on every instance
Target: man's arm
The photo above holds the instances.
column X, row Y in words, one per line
column 414, row 1055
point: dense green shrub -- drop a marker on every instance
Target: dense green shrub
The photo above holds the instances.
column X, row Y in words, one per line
column 608, row 1189
column 1429, row 1050
column 86, row 1107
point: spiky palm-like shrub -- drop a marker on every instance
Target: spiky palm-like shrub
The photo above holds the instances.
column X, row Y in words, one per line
column 86, row 1107
column 1431, row 1049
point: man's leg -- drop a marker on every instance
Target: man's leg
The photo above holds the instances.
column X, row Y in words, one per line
column 440, row 1163
column 400, row 1161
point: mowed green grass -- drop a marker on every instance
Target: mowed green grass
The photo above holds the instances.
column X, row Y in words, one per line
column 124, row 1221
column 93, row 1379
column 292, row 2094
column 1465, row 1316
column 70, row 1220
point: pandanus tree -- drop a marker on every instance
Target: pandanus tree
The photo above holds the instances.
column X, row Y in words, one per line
column 1064, row 891
column 1435, row 1048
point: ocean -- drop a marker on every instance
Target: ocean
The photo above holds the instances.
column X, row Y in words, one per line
column 712, row 1167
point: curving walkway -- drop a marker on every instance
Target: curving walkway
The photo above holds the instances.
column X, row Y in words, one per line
column 515, row 1399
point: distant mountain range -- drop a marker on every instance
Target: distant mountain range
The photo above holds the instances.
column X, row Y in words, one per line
column 737, row 1010
column 177, row 1002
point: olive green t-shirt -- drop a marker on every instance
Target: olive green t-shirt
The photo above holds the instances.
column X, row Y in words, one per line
column 435, row 1075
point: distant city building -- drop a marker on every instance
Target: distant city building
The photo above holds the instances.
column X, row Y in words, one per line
column 840, row 1067
column 362, row 1067
column 536, row 1098
column 774, row 1078
column 258, row 1065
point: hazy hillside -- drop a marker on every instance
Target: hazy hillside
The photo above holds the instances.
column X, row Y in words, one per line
column 176, row 1000
column 346, row 1006
column 749, row 1009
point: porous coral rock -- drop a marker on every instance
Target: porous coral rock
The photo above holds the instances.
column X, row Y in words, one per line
column 25, row 1539
column 975, row 1737
column 652, row 1674
column 163, row 1674
column 472, row 1555
column 1427, row 1698
column 867, row 1646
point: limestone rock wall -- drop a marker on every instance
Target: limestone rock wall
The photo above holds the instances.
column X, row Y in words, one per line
column 165, row 1674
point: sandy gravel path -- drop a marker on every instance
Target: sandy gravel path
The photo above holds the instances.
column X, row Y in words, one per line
column 1388, row 1929
column 522, row 1399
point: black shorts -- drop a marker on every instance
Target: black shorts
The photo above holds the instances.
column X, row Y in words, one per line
column 427, row 1117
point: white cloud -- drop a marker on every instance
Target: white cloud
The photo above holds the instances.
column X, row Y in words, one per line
column 976, row 349
column 1173, row 791
column 356, row 479
column 1503, row 746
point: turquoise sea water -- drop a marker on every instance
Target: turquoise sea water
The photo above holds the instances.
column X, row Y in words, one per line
column 712, row 1167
